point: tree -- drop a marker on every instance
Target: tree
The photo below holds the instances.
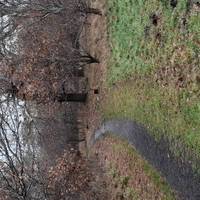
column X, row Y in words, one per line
column 16, row 15
column 40, row 56
column 19, row 156
column 43, row 48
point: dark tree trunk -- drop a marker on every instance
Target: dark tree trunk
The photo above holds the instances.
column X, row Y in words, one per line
column 77, row 97
column 94, row 11
column 72, row 97
column 88, row 59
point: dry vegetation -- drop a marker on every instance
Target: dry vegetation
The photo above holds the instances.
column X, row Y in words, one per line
column 130, row 176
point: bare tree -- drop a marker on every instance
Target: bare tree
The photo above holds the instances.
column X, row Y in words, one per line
column 40, row 53
column 19, row 162
column 15, row 14
column 39, row 47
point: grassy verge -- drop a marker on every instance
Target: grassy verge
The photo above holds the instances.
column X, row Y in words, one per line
column 155, row 67
column 132, row 177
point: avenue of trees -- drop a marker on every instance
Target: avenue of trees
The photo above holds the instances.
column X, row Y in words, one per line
column 41, row 59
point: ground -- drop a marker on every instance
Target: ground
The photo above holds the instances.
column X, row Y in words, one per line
column 129, row 175
column 138, row 183
column 154, row 66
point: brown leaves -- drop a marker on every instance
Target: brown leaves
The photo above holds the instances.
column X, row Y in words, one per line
column 69, row 176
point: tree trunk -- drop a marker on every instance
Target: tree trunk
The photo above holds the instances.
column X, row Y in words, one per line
column 77, row 97
column 88, row 59
column 72, row 97
column 94, row 11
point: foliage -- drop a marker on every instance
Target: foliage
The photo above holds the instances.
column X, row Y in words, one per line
column 40, row 46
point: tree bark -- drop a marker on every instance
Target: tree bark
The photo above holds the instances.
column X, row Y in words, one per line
column 94, row 11
column 77, row 97
column 72, row 97
column 88, row 59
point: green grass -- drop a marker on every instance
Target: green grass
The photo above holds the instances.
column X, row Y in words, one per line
column 156, row 179
column 163, row 111
column 138, row 45
column 159, row 69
